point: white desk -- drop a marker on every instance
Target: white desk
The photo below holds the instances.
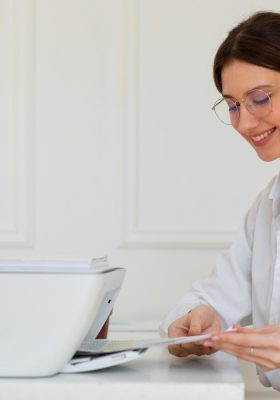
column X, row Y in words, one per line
column 156, row 375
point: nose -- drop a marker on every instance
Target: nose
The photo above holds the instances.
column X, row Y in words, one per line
column 247, row 121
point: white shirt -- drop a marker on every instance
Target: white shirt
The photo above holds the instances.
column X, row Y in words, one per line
column 246, row 281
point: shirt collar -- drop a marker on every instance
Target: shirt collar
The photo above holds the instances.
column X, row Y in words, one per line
column 275, row 189
column 274, row 195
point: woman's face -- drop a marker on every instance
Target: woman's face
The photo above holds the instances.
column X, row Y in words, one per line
column 263, row 133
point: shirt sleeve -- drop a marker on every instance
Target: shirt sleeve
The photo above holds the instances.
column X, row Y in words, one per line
column 228, row 289
column 270, row 378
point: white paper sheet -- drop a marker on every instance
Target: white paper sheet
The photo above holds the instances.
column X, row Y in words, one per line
column 54, row 265
column 108, row 346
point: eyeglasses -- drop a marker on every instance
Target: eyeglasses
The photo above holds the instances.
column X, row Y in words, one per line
column 257, row 102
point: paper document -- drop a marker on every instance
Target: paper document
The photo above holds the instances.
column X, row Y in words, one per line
column 54, row 265
column 96, row 354
column 101, row 361
column 101, row 346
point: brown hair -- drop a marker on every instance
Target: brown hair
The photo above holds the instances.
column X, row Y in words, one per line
column 255, row 40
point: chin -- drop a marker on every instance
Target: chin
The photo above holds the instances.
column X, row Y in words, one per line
column 268, row 156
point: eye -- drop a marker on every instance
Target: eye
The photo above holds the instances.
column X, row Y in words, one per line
column 232, row 107
column 263, row 100
column 258, row 98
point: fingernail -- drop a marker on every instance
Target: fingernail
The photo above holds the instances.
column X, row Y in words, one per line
column 215, row 338
column 207, row 343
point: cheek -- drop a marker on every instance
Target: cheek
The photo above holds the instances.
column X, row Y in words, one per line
column 274, row 117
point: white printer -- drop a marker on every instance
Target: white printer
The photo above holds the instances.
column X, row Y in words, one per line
column 47, row 308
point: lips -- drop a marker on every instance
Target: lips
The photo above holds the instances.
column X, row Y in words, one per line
column 262, row 138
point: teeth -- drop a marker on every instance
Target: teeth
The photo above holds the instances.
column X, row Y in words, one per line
column 263, row 135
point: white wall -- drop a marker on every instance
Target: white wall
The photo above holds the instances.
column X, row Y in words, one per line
column 108, row 143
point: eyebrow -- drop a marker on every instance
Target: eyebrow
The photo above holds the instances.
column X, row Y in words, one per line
column 228, row 96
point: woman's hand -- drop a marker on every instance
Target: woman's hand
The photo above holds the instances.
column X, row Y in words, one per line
column 202, row 319
column 258, row 345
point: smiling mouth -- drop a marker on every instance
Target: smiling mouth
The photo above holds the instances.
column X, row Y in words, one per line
column 263, row 135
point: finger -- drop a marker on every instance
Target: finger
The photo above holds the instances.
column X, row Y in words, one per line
column 210, row 350
column 195, row 327
column 270, row 356
column 202, row 350
column 194, row 349
column 183, row 350
column 178, row 351
column 244, row 339
column 257, row 356
column 180, row 327
column 264, row 329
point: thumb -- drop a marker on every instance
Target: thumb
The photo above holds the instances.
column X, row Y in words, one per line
column 195, row 327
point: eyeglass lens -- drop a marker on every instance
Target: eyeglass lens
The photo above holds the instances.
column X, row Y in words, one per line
column 256, row 102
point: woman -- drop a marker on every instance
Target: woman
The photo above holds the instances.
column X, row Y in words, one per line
column 246, row 282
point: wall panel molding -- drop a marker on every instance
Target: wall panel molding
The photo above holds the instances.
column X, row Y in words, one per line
column 17, row 75
column 134, row 234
